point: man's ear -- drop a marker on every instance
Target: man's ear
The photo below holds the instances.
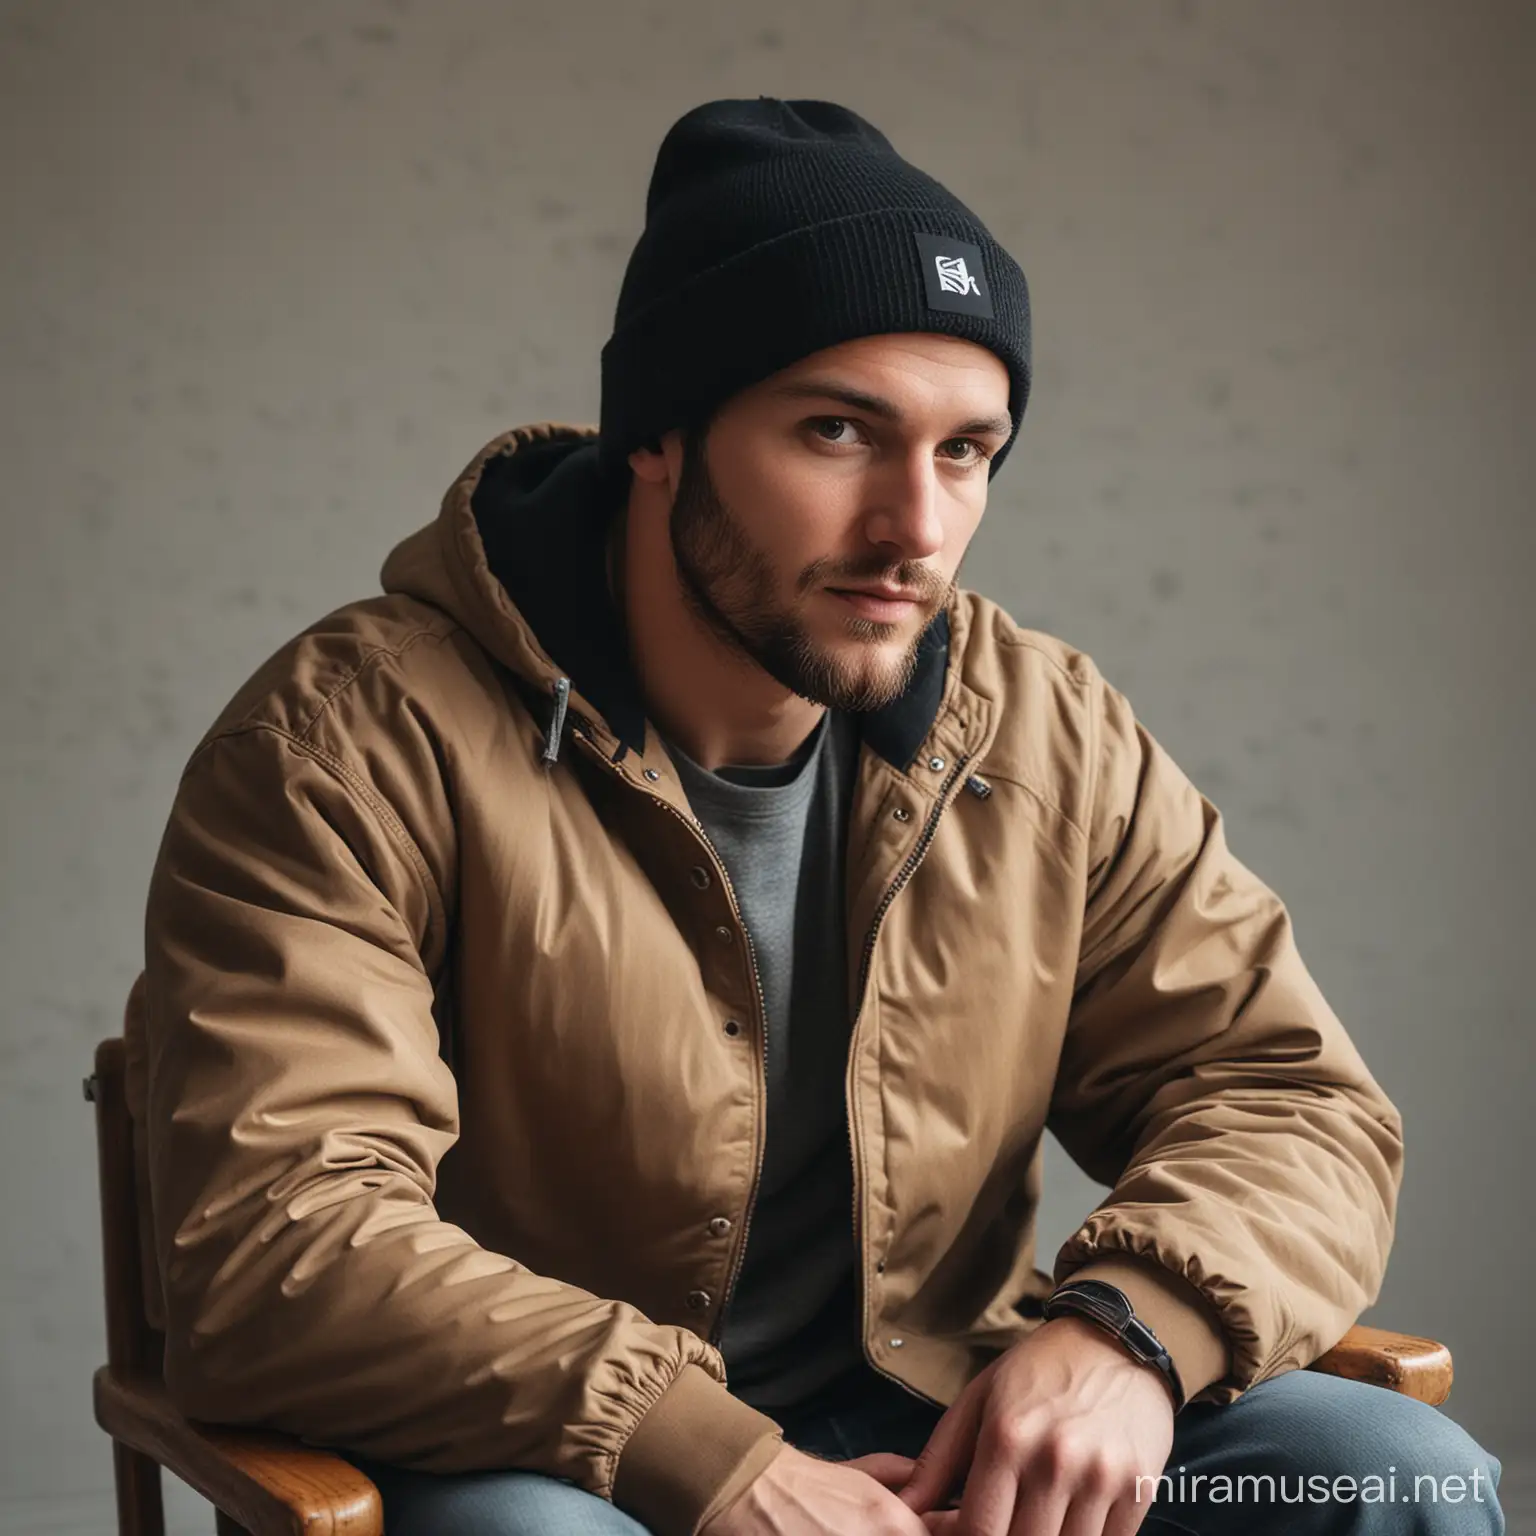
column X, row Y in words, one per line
column 648, row 462
column 651, row 461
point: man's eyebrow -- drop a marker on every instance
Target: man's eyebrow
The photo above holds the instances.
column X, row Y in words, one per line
column 877, row 405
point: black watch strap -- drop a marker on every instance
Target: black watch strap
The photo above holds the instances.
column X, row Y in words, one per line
column 1109, row 1307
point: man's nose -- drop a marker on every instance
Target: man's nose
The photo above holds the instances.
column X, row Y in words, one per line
column 906, row 515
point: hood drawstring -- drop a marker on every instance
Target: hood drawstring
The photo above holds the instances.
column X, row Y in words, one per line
column 562, row 693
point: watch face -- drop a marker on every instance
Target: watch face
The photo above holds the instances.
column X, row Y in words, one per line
column 1111, row 1308
column 1111, row 1303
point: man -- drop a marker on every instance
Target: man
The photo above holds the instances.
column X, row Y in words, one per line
column 604, row 997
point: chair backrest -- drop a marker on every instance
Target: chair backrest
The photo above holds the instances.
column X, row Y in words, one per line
column 133, row 1343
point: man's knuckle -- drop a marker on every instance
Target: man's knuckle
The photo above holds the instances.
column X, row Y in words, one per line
column 1011, row 1436
column 1066, row 1454
column 1102, row 1471
column 1129, row 1467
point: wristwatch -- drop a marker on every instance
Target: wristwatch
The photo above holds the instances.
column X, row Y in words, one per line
column 1109, row 1307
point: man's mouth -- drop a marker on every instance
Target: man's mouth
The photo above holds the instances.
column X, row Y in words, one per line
column 886, row 604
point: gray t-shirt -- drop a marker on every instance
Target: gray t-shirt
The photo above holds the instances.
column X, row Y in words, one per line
column 781, row 831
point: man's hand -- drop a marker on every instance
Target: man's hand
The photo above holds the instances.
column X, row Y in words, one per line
column 1049, row 1439
column 799, row 1493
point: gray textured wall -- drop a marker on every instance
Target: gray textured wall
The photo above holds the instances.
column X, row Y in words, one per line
column 273, row 272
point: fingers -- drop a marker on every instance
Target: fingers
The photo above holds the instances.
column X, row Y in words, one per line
column 948, row 1454
column 1067, row 1489
column 886, row 1467
column 993, row 1494
column 1023, row 1482
column 1097, row 1515
column 1041, row 1507
column 1126, row 1517
column 1087, row 1515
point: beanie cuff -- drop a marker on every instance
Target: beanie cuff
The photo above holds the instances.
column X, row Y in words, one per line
column 735, row 324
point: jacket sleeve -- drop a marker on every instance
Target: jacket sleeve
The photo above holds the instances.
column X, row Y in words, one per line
column 297, row 1111
column 1254, row 1161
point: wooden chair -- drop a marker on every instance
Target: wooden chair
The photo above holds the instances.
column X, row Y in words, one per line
column 260, row 1484
column 264, row 1484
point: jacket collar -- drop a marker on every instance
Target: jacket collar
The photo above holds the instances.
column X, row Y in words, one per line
column 543, row 514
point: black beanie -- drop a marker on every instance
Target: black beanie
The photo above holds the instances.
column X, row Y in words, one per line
column 774, row 229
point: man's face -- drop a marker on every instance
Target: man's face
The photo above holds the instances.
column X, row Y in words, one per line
column 821, row 526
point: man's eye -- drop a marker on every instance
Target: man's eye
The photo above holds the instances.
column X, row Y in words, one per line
column 977, row 455
column 832, row 421
column 829, row 429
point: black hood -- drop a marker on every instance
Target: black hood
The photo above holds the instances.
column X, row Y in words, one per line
column 543, row 515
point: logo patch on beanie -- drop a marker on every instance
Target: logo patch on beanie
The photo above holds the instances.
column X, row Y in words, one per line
column 953, row 275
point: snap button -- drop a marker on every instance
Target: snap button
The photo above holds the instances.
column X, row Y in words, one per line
column 700, row 876
column 936, row 763
column 880, row 1266
column 732, row 1027
column 698, row 1300
column 723, row 934
column 901, row 813
column 897, row 1343
column 719, row 1226
column 651, row 774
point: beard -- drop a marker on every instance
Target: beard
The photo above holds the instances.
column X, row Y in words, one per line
column 731, row 586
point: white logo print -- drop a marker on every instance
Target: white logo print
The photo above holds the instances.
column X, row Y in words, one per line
column 953, row 278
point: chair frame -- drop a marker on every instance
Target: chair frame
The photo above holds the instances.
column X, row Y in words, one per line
column 260, row 1483
column 267, row 1484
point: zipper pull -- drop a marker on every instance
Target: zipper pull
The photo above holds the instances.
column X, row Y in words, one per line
column 556, row 722
column 978, row 786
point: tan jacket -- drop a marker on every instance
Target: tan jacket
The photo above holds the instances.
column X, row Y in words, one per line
column 450, row 1048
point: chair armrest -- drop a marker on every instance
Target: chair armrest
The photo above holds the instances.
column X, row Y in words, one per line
column 272, row 1484
column 1418, row 1368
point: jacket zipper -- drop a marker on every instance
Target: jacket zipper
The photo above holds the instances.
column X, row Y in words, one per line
column 908, row 867
column 905, row 873
column 739, row 1257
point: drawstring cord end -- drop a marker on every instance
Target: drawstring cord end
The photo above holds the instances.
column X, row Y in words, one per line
column 556, row 722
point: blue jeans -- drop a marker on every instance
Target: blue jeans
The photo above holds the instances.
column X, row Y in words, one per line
column 1292, row 1455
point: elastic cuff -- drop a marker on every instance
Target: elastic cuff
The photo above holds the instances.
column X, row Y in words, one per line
column 1183, row 1320
column 692, row 1454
